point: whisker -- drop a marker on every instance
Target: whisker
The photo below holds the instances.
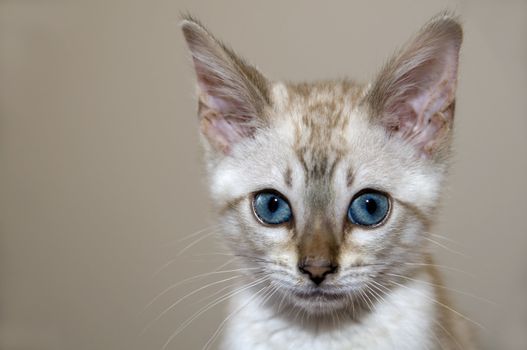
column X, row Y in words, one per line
column 338, row 317
column 281, row 302
column 196, row 242
column 449, row 334
column 387, row 290
column 254, row 258
column 378, row 297
column 269, row 295
column 447, row 248
column 193, row 278
column 197, row 233
column 228, row 262
column 171, row 261
column 333, row 318
column 297, row 313
column 438, row 341
column 303, row 316
column 213, row 254
column 174, row 304
column 445, row 238
column 218, row 292
column 440, row 304
column 374, row 308
column 352, row 306
column 175, row 241
column 448, row 268
column 226, row 319
column 362, row 299
column 210, row 305
column 443, row 287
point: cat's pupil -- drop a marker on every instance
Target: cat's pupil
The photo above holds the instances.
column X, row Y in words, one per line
column 273, row 204
column 371, row 206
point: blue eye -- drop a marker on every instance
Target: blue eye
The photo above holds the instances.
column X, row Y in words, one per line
column 368, row 208
column 271, row 208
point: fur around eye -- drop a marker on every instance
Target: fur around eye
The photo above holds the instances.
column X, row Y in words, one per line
column 369, row 208
column 271, row 208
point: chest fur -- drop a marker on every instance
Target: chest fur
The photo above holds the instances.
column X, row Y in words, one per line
column 405, row 319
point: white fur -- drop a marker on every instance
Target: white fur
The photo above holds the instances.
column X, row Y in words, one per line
column 403, row 321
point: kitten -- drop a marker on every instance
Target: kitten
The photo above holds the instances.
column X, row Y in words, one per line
column 327, row 192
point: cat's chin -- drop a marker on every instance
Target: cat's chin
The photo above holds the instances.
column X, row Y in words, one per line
column 319, row 301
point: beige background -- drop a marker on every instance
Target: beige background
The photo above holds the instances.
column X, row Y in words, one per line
column 100, row 170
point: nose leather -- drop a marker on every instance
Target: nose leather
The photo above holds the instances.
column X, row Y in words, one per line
column 317, row 270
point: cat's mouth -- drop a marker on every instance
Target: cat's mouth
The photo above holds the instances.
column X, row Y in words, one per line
column 319, row 301
column 319, row 295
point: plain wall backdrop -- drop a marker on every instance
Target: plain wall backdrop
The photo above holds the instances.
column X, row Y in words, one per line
column 101, row 172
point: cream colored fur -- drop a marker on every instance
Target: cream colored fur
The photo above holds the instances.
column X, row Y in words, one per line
column 319, row 144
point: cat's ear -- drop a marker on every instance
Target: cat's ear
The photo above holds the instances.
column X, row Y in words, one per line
column 232, row 94
column 414, row 95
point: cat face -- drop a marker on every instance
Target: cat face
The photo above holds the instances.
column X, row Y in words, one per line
column 328, row 188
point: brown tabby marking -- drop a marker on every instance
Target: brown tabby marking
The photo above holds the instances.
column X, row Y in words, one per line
column 319, row 134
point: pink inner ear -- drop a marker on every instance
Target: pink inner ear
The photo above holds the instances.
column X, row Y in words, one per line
column 223, row 132
column 218, row 104
column 224, row 112
column 424, row 117
column 220, row 122
column 226, row 130
column 232, row 94
column 422, row 110
column 218, row 131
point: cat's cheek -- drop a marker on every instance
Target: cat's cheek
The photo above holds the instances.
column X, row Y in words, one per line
column 368, row 240
column 366, row 243
column 263, row 237
column 271, row 238
column 351, row 254
column 273, row 244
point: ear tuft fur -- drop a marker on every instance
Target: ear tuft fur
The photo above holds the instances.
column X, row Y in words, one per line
column 232, row 94
column 414, row 94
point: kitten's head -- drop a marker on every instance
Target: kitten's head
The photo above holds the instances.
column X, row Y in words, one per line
column 329, row 187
